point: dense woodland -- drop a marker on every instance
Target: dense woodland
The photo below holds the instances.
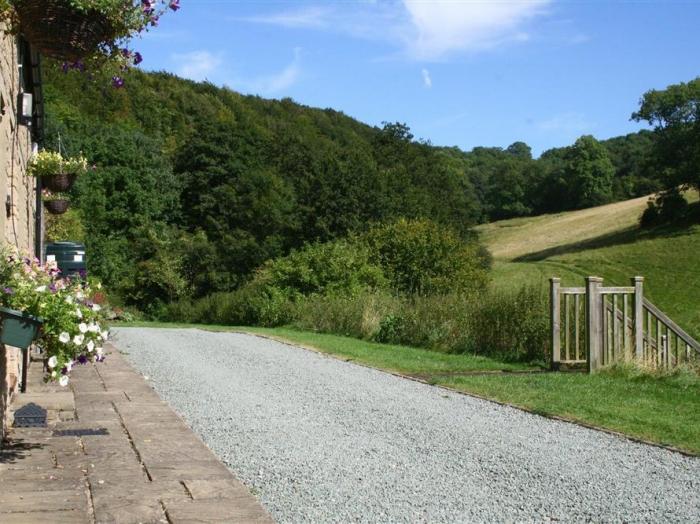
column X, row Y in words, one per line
column 196, row 186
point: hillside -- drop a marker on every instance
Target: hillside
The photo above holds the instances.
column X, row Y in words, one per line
column 196, row 186
column 602, row 241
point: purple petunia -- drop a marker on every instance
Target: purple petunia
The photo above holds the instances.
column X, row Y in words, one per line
column 8, row 291
column 82, row 359
column 137, row 58
column 174, row 5
column 117, row 82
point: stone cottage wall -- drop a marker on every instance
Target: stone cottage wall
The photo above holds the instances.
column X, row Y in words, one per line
column 17, row 214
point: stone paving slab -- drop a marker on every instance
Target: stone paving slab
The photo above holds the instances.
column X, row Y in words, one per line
column 148, row 467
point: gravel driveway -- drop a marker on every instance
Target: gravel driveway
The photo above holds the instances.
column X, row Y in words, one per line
column 321, row 440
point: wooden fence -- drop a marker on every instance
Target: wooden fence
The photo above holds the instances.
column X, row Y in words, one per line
column 597, row 326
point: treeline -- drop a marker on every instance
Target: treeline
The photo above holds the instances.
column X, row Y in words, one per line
column 196, row 186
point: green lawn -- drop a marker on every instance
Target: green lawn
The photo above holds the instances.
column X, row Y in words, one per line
column 664, row 410
column 659, row 409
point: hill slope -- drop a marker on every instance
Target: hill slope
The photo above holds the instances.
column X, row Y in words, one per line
column 602, row 241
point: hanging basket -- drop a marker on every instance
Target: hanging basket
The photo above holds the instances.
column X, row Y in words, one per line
column 58, row 183
column 59, row 31
column 56, row 207
column 18, row 329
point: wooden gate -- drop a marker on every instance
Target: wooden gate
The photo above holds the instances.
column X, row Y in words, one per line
column 598, row 326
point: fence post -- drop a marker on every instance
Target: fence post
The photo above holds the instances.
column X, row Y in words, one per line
column 594, row 319
column 638, row 283
column 555, row 320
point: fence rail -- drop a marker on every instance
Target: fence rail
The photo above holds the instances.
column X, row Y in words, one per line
column 599, row 326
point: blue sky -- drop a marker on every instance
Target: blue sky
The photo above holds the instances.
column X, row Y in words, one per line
column 461, row 73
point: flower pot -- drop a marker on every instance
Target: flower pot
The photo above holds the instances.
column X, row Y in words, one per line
column 59, row 31
column 56, row 207
column 18, row 329
column 59, row 183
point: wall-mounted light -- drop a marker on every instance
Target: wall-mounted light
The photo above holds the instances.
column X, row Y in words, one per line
column 26, row 108
column 8, row 206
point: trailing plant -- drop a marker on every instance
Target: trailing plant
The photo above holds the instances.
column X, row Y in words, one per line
column 71, row 331
column 106, row 47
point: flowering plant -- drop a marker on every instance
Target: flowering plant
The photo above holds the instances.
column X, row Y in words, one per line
column 50, row 196
column 71, row 331
column 47, row 163
column 115, row 23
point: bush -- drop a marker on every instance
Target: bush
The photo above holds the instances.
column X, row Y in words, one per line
column 666, row 208
column 338, row 268
column 423, row 257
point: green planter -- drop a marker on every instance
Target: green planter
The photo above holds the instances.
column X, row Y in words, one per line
column 18, row 328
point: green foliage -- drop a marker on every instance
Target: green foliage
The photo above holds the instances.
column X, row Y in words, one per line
column 421, row 257
column 510, row 326
column 590, row 173
column 675, row 114
column 339, row 268
column 68, row 226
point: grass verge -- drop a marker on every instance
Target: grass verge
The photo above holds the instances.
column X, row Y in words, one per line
column 660, row 409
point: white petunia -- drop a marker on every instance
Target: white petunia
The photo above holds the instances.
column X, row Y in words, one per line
column 78, row 313
column 69, row 366
column 93, row 328
column 64, row 337
column 79, row 295
column 63, row 381
column 54, row 374
column 99, row 351
column 83, row 327
column 41, row 289
column 105, row 335
column 96, row 307
column 78, row 340
column 90, row 346
column 53, row 361
column 69, row 299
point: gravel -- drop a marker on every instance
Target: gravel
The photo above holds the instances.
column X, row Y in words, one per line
column 322, row 440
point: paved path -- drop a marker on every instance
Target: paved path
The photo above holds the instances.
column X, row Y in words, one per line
column 149, row 468
column 322, row 440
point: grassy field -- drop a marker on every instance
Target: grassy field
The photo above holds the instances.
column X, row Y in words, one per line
column 665, row 410
column 603, row 241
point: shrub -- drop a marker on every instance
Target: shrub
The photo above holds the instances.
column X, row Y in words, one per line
column 666, row 208
column 423, row 257
column 338, row 268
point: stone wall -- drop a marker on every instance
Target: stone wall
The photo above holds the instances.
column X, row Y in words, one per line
column 17, row 214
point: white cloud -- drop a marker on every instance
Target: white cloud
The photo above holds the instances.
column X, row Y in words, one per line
column 444, row 27
column 196, row 65
column 274, row 83
column 422, row 30
column 427, row 81
column 308, row 17
column 569, row 122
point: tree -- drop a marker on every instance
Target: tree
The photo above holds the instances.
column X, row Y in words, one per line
column 589, row 173
column 675, row 114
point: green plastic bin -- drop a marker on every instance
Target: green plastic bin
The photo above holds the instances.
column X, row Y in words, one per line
column 69, row 256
